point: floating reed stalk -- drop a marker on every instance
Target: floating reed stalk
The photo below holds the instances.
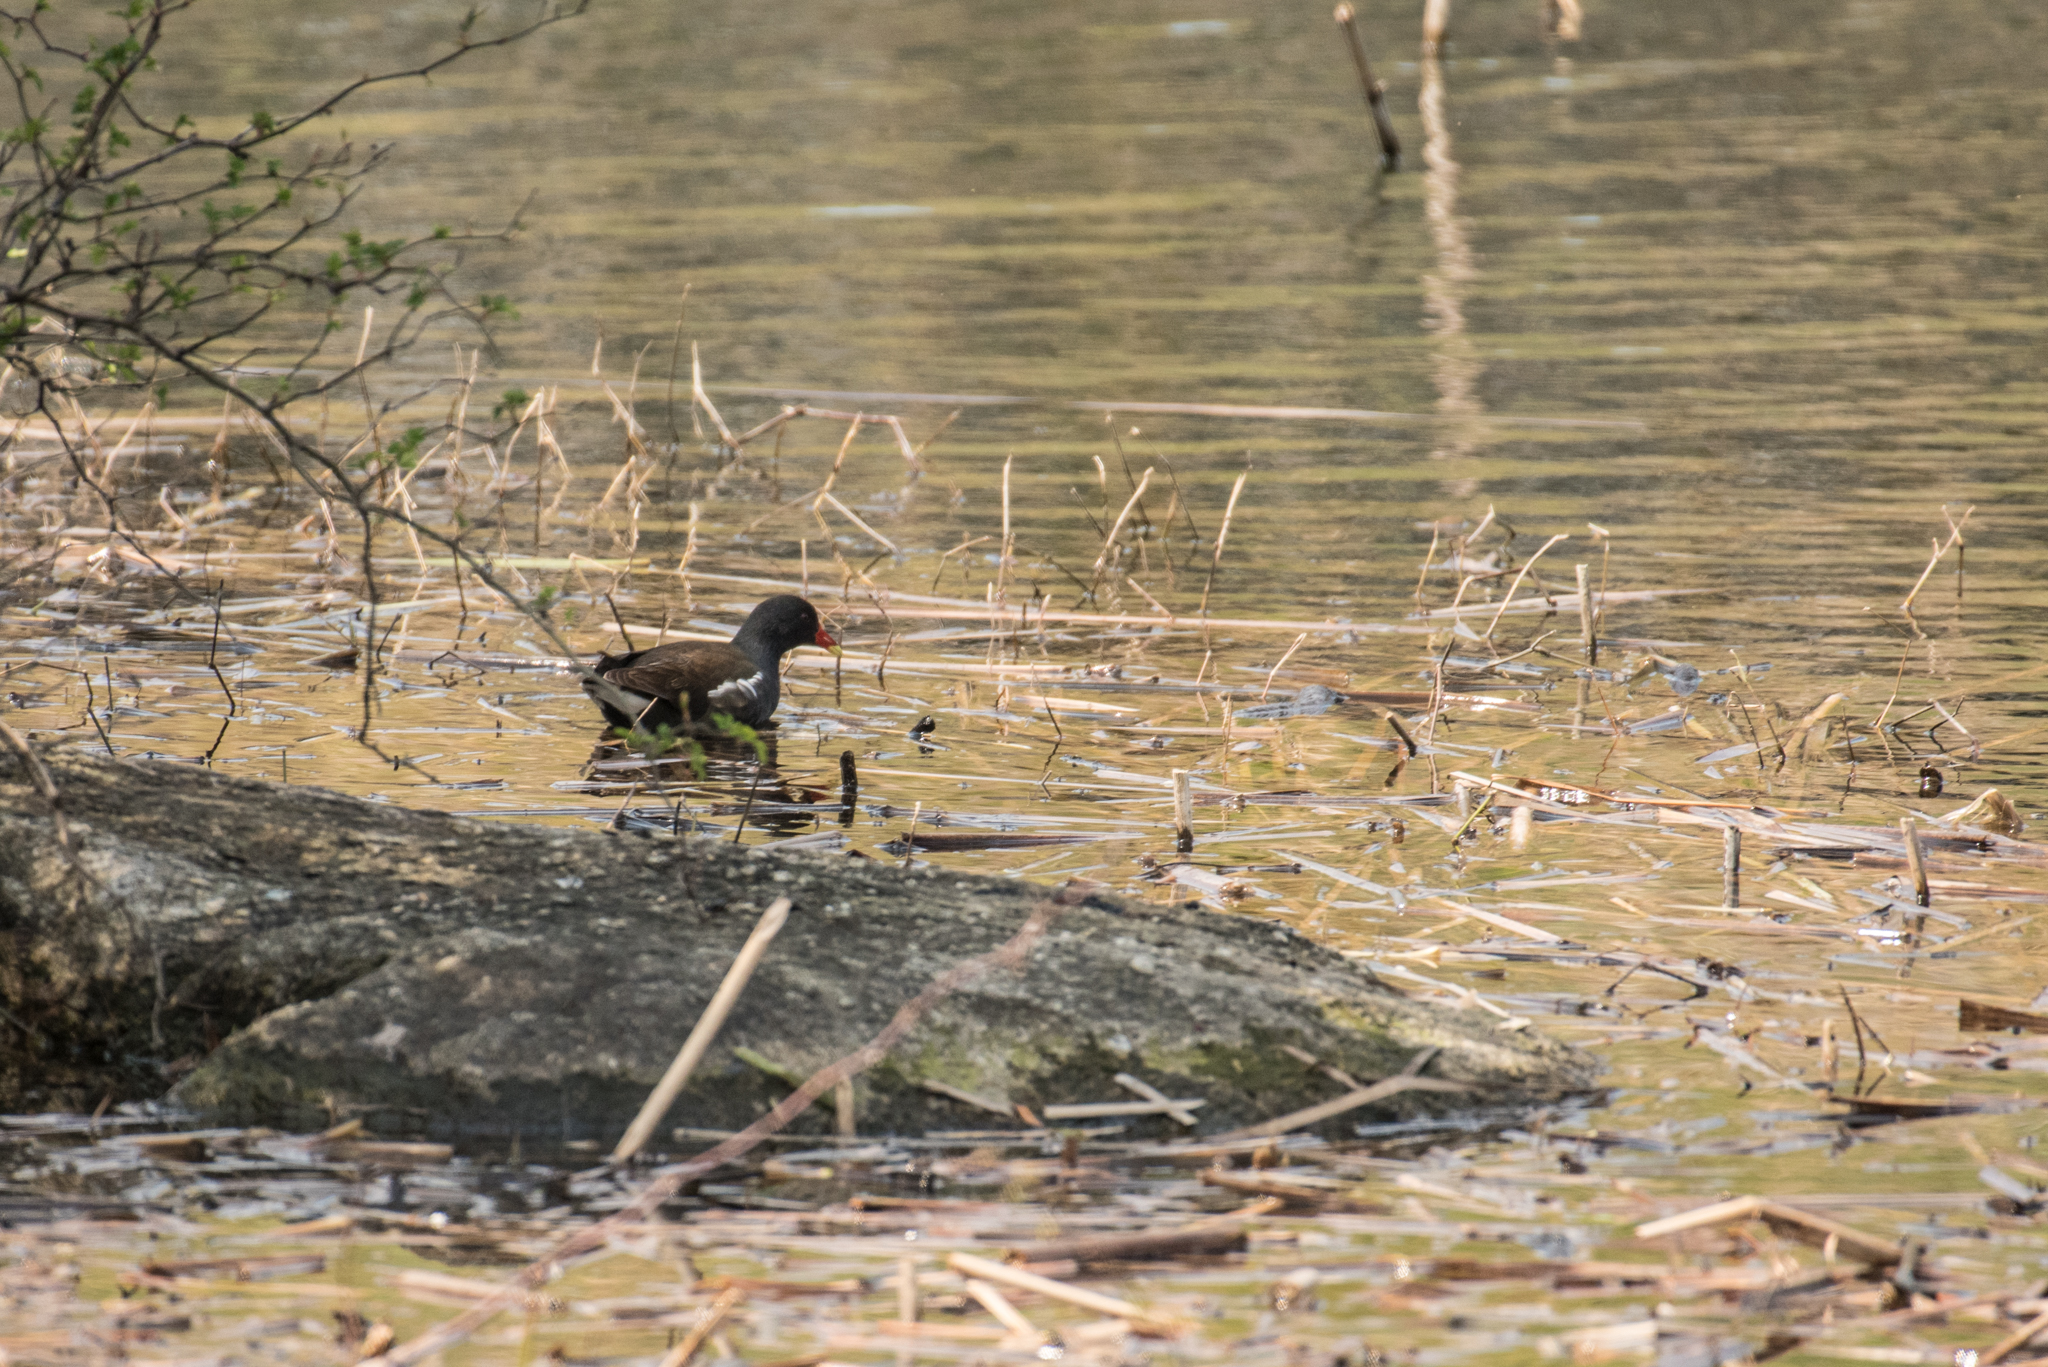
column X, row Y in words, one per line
column 1008, row 1315
column 1375, row 93
column 708, row 1320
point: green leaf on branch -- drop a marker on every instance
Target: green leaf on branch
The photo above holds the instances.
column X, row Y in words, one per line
column 405, row 452
column 663, row 740
column 741, row 732
column 510, row 403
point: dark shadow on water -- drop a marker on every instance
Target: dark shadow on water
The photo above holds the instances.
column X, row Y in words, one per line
column 720, row 786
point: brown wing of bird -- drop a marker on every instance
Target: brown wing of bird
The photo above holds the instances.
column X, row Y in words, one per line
column 695, row 681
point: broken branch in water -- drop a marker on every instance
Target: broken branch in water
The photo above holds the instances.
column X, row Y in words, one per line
column 707, row 1027
column 1364, row 1096
column 1941, row 548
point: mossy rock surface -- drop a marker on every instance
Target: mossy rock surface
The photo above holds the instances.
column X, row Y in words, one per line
column 321, row 957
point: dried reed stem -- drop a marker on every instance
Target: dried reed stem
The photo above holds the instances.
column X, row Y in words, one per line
column 1955, row 538
column 843, row 1109
column 854, row 518
column 1216, row 556
column 1009, row 544
column 907, row 1308
column 1435, row 535
column 1436, row 20
column 1109, row 540
column 702, row 400
column 692, row 1053
column 989, row 1270
column 1916, row 861
column 1588, row 643
column 1731, row 866
column 1526, row 567
column 1375, row 93
column 1277, row 665
column 1007, row 1314
column 707, row 1321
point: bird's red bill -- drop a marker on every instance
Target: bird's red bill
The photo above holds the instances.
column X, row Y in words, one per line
column 825, row 639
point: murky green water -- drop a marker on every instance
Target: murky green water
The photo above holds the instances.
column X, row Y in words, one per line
column 1778, row 267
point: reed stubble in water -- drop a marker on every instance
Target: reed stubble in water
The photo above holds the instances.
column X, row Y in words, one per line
column 1731, row 867
column 1375, row 92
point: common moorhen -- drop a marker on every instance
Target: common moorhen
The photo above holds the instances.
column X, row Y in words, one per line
column 680, row 685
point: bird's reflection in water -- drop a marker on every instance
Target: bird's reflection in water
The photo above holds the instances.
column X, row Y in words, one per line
column 714, row 789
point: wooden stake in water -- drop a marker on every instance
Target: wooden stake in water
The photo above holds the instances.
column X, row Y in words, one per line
column 1183, row 810
column 687, row 1058
column 1731, row 867
column 849, row 787
column 1588, row 642
column 1375, row 93
column 1915, row 863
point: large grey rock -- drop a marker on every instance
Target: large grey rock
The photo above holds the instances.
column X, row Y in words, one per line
column 300, row 956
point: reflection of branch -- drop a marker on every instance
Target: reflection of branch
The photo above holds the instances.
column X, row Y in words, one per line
column 114, row 527
column 1443, row 291
column 137, row 296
